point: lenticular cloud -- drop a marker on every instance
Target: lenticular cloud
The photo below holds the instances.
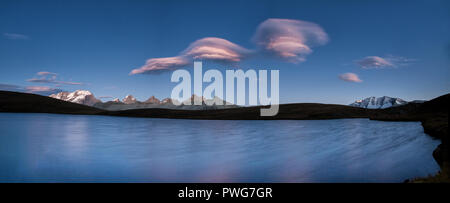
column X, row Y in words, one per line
column 289, row 39
column 350, row 77
column 161, row 64
column 212, row 48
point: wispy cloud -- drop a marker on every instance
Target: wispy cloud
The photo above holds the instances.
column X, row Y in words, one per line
column 44, row 73
column 49, row 77
column 377, row 62
column 400, row 60
column 350, row 77
column 42, row 90
column 46, row 80
column 13, row 88
column 15, row 36
column 289, row 39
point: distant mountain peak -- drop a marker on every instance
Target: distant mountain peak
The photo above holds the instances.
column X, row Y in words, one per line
column 129, row 99
column 216, row 101
column 152, row 100
column 79, row 96
column 378, row 102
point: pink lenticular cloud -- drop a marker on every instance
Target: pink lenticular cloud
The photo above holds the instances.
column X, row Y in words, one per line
column 212, row 48
column 350, row 77
column 159, row 64
column 289, row 39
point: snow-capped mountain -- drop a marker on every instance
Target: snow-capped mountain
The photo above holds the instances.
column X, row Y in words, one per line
column 129, row 99
column 80, row 97
column 378, row 102
column 129, row 102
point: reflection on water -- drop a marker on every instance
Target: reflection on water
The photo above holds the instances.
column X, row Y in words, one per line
column 66, row 148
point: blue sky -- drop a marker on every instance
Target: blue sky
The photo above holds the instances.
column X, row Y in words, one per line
column 98, row 44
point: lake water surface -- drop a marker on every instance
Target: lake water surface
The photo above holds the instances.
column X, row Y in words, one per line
column 77, row 148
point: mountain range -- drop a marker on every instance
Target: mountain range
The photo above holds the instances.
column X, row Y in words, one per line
column 130, row 102
column 378, row 102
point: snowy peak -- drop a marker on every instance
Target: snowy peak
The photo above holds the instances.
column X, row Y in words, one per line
column 378, row 102
column 80, row 97
column 129, row 99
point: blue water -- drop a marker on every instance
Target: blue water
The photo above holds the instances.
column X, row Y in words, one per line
column 77, row 148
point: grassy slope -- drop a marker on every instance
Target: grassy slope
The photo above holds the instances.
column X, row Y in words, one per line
column 31, row 103
column 434, row 118
column 286, row 111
